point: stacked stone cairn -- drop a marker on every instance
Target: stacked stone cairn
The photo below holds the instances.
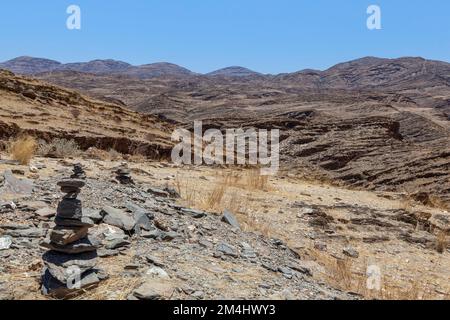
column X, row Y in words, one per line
column 123, row 175
column 78, row 172
column 70, row 265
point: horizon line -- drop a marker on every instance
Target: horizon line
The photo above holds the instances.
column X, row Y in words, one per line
column 230, row 66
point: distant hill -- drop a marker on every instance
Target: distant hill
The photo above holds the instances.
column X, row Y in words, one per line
column 33, row 66
column 96, row 66
column 29, row 65
column 234, row 72
column 371, row 72
column 160, row 69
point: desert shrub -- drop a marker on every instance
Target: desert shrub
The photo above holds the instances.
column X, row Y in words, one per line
column 59, row 148
column 23, row 149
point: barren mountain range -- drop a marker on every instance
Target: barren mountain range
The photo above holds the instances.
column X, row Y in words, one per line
column 372, row 123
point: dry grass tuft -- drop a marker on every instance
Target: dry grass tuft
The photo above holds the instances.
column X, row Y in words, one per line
column 255, row 181
column 59, row 148
column 215, row 198
column 23, row 149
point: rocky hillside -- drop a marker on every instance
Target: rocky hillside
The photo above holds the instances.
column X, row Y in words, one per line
column 48, row 112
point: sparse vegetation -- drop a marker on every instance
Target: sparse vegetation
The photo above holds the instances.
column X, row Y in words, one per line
column 255, row 181
column 216, row 196
column 59, row 148
column 23, row 149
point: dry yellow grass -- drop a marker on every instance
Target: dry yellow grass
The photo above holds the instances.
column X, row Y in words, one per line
column 350, row 275
column 23, row 149
column 60, row 148
column 255, row 181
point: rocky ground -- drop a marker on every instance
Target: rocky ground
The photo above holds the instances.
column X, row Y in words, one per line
column 181, row 254
column 293, row 239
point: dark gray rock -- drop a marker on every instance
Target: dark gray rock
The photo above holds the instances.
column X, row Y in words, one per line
column 152, row 234
column 103, row 253
column 64, row 222
column 229, row 218
column 16, row 186
column 197, row 214
column 118, row 218
column 26, row 233
column 114, row 241
column 51, row 286
column 227, row 249
column 170, row 235
column 69, row 209
column 93, row 214
column 287, row 272
column 350, row 252
column 155, row 261
column 60, row 264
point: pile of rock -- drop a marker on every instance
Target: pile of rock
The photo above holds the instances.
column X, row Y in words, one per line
column 78, row 172
column 70, row 263
column 123, row 175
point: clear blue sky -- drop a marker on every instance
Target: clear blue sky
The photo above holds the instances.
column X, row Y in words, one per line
column 203, row 35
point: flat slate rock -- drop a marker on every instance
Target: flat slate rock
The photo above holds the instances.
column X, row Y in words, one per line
column 72, row 183
column 114, row 241
column 86, row 244
column 227, row 249
column 16, row 186
column 46, row 212
column 84, row 222
column 154, row 289
column 65, row 235
column 197, row 214
column 26, row 233
column 118, row 218
column 58, row 264
column 104, row 253
column 70, row 289
column 93, row 214
column 229, row 218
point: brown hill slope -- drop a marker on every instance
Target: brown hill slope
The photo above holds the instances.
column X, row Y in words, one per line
column 47, row 111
